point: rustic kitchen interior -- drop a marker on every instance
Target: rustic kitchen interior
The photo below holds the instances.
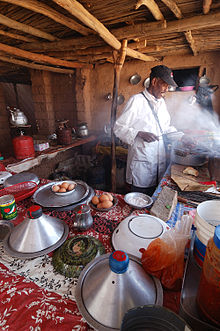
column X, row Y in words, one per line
column 67, row 69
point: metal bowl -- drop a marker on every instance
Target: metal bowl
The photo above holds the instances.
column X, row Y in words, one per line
column 138, row 200
column 61, row 182
column 136, row 232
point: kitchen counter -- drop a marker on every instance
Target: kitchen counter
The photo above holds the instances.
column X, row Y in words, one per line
column 36, row 297
column 13, row 165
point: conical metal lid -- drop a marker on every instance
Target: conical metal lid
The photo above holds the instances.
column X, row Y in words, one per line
column 36, row 233
column 112, row 284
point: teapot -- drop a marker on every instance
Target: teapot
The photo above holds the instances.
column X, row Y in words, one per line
column 82, row 217
column 82, row 130
column 18, row 118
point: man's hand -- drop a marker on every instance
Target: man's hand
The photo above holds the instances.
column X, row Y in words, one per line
column 147, row 136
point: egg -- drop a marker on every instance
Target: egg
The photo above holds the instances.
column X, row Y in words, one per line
column 71, row 187
column 55, row 188
column 62, row 190
column 104, row 197
column 110, row 196
column 95, row 200
column 65, row 185
column 107, row 204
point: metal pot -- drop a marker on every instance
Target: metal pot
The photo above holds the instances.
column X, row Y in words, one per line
column 188, row 159
column 83, row 219
column 82, row 130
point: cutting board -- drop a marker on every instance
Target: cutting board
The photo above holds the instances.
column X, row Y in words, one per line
column 189, row 182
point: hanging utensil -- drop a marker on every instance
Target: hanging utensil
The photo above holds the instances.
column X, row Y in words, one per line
column 204, row 80
column 147, row 82
column 120, row 99
column 135, row 79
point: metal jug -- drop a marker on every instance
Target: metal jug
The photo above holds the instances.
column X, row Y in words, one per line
column 82, row 217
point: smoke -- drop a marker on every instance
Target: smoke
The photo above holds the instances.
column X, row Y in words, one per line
column 190, row 116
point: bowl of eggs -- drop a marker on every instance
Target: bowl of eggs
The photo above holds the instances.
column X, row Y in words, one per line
column 103, row 202
column 63, row 188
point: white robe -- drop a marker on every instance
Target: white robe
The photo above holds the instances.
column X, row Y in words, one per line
column 146, row 162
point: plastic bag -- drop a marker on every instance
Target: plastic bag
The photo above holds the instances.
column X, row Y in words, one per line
column 164, row 257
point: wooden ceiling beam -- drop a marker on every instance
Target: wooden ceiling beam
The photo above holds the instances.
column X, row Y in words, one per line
column 38, row 57
column 206, row 6
column 77, row 10
column 39, row 7
column 34, row 65
column 142, row 30
column 191, row 41
column 153, row 8
column 17, row 36
column 171, row 4
column 25, row 28
column 185, row 24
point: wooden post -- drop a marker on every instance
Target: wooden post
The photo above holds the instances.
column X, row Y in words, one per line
column 119, row 58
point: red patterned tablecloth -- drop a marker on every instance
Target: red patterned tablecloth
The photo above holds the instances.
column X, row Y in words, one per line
column 34, row 297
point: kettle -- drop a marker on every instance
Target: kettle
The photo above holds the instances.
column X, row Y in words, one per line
column 82, row 217
column 18, row 118
column 82, row 130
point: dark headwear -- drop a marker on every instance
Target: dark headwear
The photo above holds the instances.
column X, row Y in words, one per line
column 163, row 73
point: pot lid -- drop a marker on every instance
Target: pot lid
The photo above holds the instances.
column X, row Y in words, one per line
column 136, row 232
column 112, row 284
column 82, row 209
column 20, row 178
column 36, row 233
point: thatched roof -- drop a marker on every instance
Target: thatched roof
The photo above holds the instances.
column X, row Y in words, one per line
column 60, row 35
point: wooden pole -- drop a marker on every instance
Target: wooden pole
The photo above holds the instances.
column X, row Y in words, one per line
column 119, row 58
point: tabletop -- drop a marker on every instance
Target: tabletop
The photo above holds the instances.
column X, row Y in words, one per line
column 35, row 297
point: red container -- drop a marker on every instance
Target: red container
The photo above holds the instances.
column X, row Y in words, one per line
column 23, row 147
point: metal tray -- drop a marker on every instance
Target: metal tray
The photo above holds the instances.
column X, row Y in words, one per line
column 87, row 199
column 46, row 198
column 188, row 308
column 10, row 251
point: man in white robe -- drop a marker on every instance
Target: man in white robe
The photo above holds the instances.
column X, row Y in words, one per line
column 141, row 125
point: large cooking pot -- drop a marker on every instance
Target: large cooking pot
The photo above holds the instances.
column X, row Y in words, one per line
column 181, row 156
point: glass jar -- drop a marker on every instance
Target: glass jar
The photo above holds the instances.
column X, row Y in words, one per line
column 208, row 296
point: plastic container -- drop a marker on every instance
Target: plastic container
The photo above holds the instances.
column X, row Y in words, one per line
column 206, row 218
column 208, row 295
column 23, row 147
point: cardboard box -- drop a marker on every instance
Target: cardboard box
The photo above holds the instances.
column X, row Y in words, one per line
column 40, row 146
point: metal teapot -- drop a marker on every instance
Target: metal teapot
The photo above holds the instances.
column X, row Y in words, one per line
column 82, row 217
column 82, row 130
column 18, row 118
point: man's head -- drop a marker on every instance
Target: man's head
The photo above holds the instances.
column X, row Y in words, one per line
column 160, row 78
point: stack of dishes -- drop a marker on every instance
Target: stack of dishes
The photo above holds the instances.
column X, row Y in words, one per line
column 47, row 198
